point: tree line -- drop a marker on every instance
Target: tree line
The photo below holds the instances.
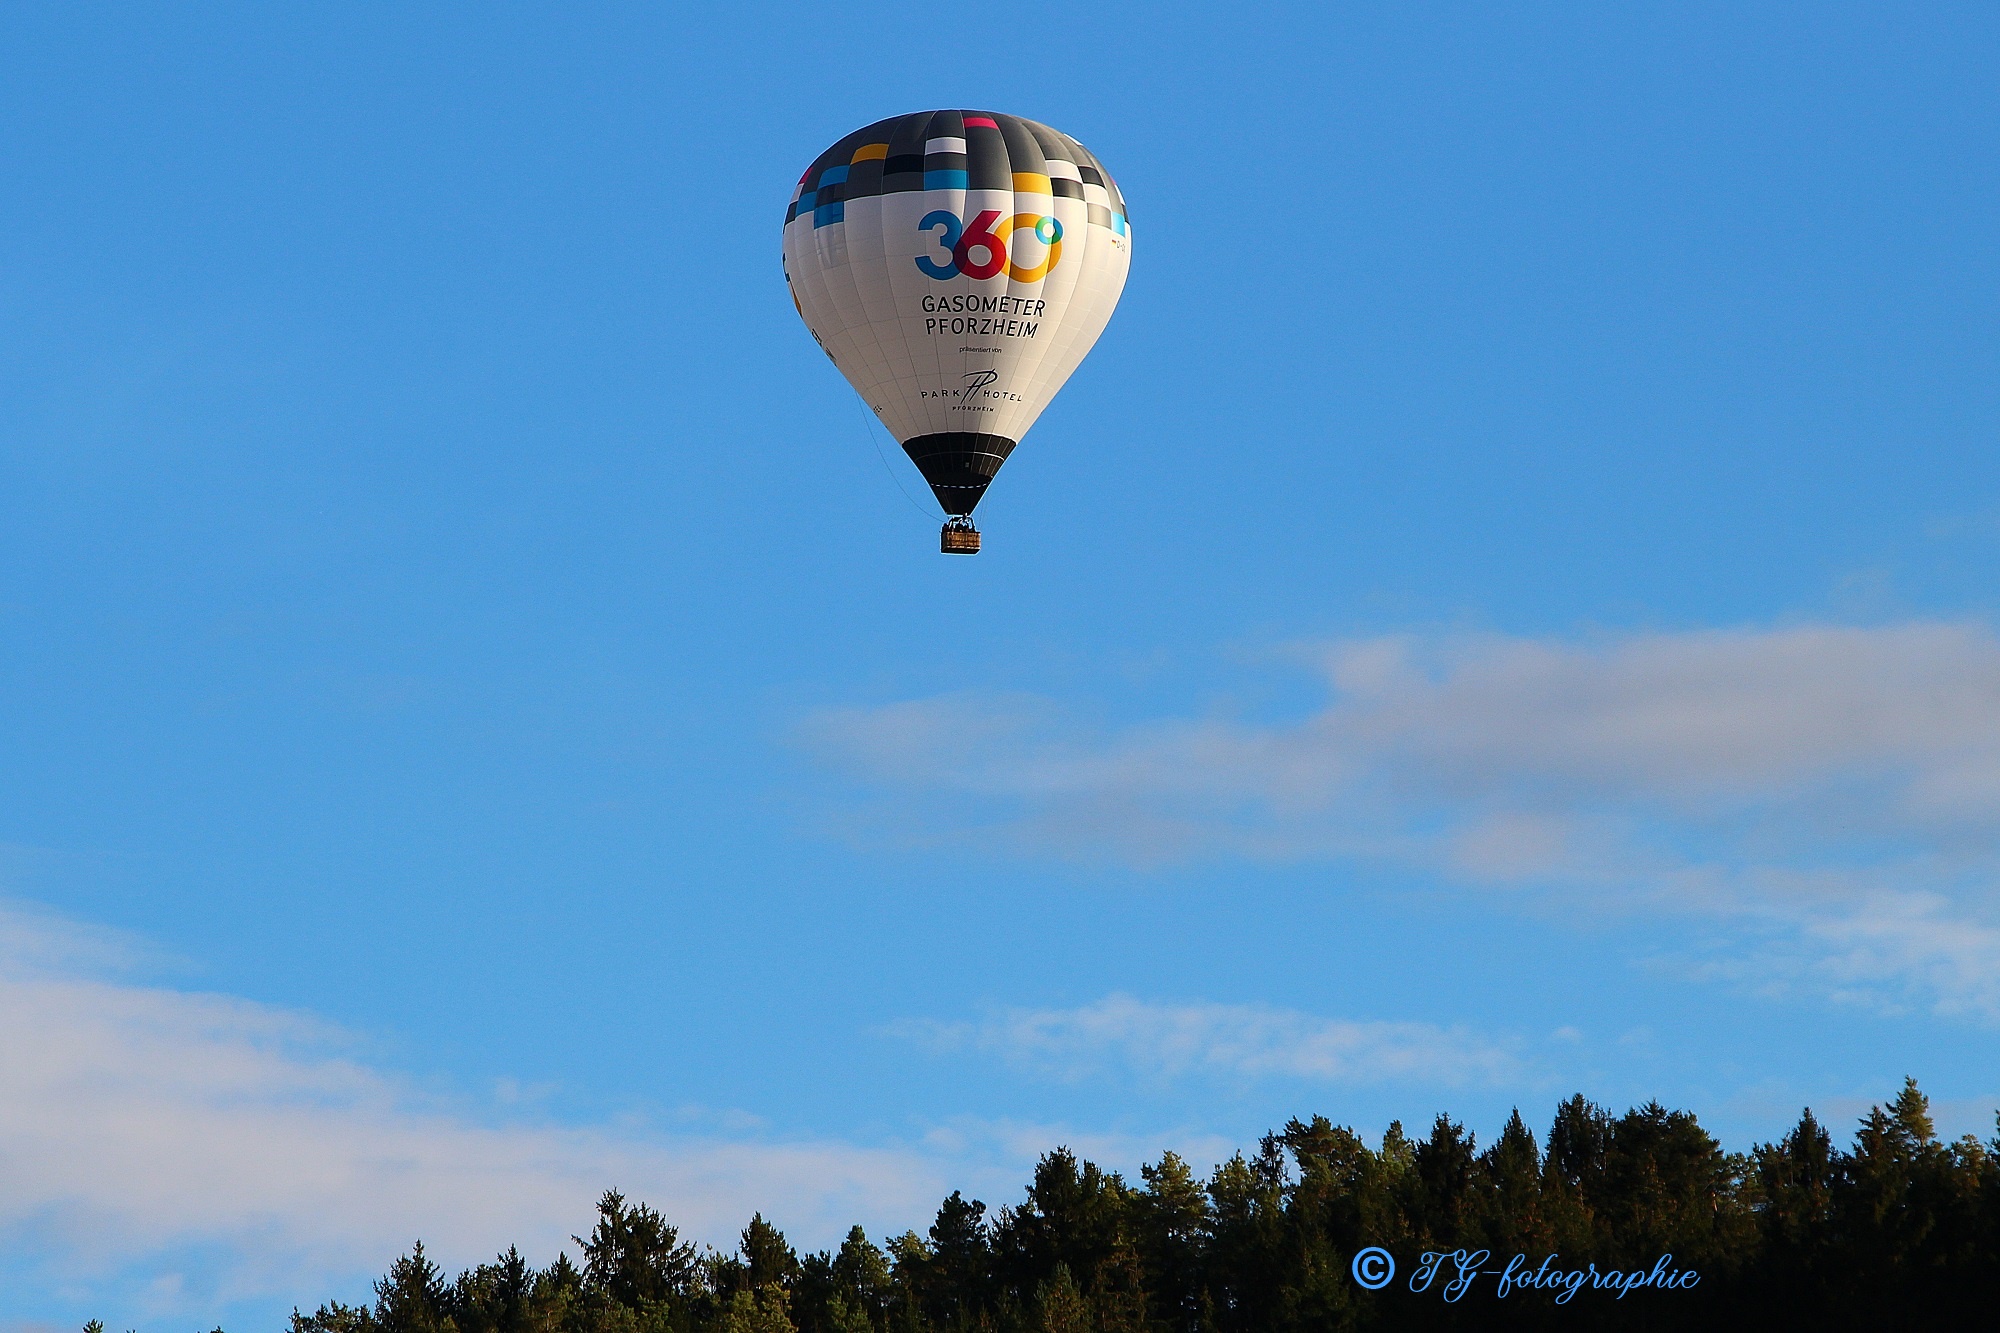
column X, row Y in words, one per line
column 1898, row 1229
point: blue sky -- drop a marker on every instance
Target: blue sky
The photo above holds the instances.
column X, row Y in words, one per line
column 1507, row 609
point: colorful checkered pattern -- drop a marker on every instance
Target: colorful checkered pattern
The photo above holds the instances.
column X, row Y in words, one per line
column 966, row 150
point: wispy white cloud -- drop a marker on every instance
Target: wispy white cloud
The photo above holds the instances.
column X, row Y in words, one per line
column 1883, row 949
column 1832, row 792
column 139, row 1123
column 1170, row 1041
column 174, row 1152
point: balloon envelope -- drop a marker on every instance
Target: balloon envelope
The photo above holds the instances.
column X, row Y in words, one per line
column 956, row 266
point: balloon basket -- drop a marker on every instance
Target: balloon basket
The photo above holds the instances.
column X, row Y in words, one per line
column 959, row 538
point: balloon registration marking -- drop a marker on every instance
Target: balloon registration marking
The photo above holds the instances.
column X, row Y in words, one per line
column 988, row 236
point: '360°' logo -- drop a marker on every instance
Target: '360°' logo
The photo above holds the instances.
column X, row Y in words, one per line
column 987, row 239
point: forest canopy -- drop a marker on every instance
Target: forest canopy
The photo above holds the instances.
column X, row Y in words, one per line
column 1897, row 1228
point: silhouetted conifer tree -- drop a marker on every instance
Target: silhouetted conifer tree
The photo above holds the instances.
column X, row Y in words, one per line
column 634, row 1258
column 1168, row 1219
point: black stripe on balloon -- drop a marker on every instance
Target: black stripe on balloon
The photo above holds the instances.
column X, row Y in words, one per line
column 1022, row 149
column 959, row 465
column 986, row 162
column 864, row 179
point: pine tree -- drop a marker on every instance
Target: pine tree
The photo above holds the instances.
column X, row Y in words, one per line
column 767, row 1257
column 332, row 1317
column 1074, row 1215
column 1911, row 1210
column 961, row 1262
column 634, row 1258
column 1118, row 1293
column 1510, row 1192
column 1573, row 1177
column 1059, row 1306
column 911, row 1275
column 558, row 1297
column 411, row 1297
column 1796, row 1177
column 845, row 1318
column 1440, row 1184
column 1670, row 1189
column 1334, row 1169
column 763, row 1310
column 1244, row 1234
column 1579, row 1141
column 1168, row 1217
column 861, row 1276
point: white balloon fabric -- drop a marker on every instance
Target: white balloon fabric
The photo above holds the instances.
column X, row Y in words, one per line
column 957, row 266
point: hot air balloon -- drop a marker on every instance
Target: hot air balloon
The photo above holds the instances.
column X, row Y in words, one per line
column 956, row 266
